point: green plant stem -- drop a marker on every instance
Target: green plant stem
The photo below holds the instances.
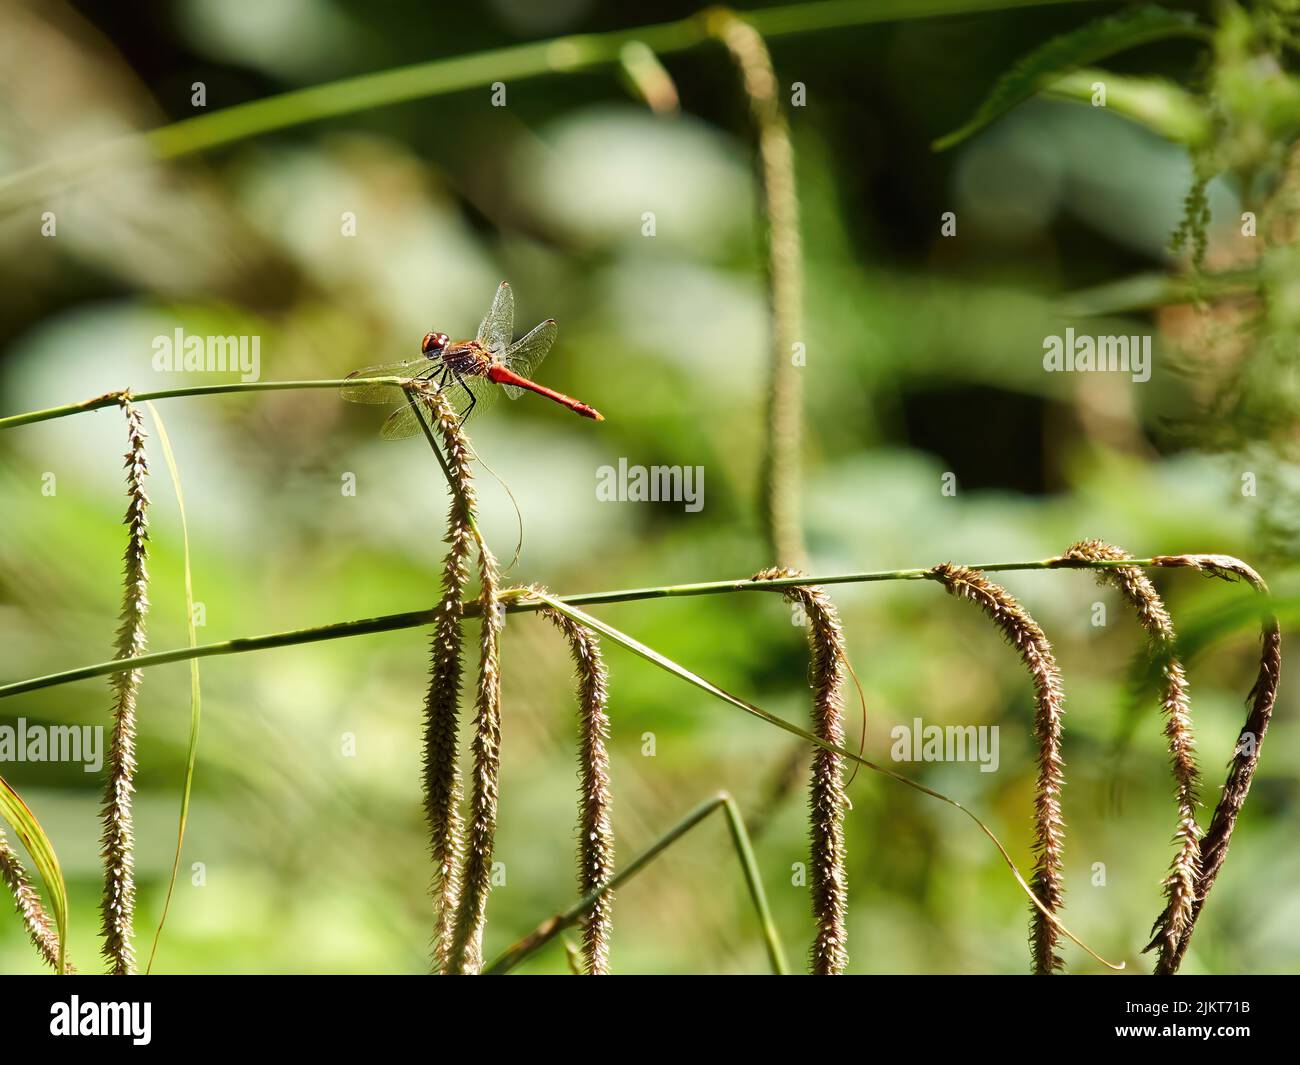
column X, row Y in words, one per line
column 113, row 398
column 553, row 926
column 749, row 865
column 1143, row 292
column 561, row 55
column 413, row 619
column 110, row 399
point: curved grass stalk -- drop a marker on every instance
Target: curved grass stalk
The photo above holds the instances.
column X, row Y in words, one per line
column 1180, row 884
column 111, row 399
column 414, row 619
column 1262, row 695
column 196, row 699
column 782, row 460
column 647, row 78
column 1023, row 633
column 669, row 666
column 749, row 865
column 1241, row 770
column 554, row 926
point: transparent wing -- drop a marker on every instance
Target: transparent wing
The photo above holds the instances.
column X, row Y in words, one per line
column 365, row 392
column 497, row 328
column 460, row 389
column 525, row 356
column 465, row 394
column 401, row 424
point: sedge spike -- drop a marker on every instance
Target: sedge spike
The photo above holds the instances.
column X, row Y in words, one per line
column 1023, row 633
column 117, row 840
column 1260, row 702
column 1180, row 884
column 442, row 787
column 595, row 828
column 38, row 924
column 827, row 801
column 476, row 881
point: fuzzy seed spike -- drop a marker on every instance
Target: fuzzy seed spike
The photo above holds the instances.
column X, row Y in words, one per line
column 1141, row 595
column 827, row 801
column 1023, row 633
column 117, row 840
column 595, row 829
column 1250, row 740
column 476, row 882
column 39, row 925
column 441, row 707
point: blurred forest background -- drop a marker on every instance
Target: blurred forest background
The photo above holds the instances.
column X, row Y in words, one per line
column 924, row 356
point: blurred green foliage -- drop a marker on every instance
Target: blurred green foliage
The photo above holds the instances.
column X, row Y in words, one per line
column 924, row 357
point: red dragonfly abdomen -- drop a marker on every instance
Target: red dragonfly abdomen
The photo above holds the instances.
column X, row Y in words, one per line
column 498, row 374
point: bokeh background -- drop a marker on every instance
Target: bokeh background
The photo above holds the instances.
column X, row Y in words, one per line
column 924, row 357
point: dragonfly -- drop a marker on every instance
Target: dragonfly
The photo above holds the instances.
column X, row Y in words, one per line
column 469, row 373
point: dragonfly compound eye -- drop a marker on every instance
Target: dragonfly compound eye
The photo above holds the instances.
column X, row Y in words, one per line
column 433, row 343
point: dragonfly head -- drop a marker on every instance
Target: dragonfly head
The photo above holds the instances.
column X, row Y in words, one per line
column 433, row 344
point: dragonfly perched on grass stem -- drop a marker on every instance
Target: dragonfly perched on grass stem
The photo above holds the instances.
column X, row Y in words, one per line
column 469, row 373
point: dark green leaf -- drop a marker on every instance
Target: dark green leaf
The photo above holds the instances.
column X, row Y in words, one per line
column 1062, row 54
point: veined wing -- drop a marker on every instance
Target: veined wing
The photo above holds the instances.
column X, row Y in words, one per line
column 463, row 393
column 526, row 355
column 498, row 326
column 403, row 423
column 365, row 391
column 460, row 389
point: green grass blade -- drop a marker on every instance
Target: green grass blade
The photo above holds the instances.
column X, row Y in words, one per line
column 28, row 829
column 1146, row 291
column 669, row 666
column 1163, row 107
column 196, row 700
column 553, row 926
column 749, row 865
column 1089, row 43
column 414, row 619
column 113, row 399
column 513, row 64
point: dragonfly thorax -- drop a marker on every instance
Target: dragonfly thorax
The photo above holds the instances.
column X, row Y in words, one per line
column 434, row 343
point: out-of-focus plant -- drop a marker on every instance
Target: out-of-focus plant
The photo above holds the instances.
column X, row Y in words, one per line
column 1232, row 123
column 1237, row 336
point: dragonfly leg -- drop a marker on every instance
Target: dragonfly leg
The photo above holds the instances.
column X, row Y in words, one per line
column 436, row 373
column 473, row 399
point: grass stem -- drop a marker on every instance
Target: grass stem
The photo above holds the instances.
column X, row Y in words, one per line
column 553, row 926
column 513, row 64
column 414, row 619
column 110, row 399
